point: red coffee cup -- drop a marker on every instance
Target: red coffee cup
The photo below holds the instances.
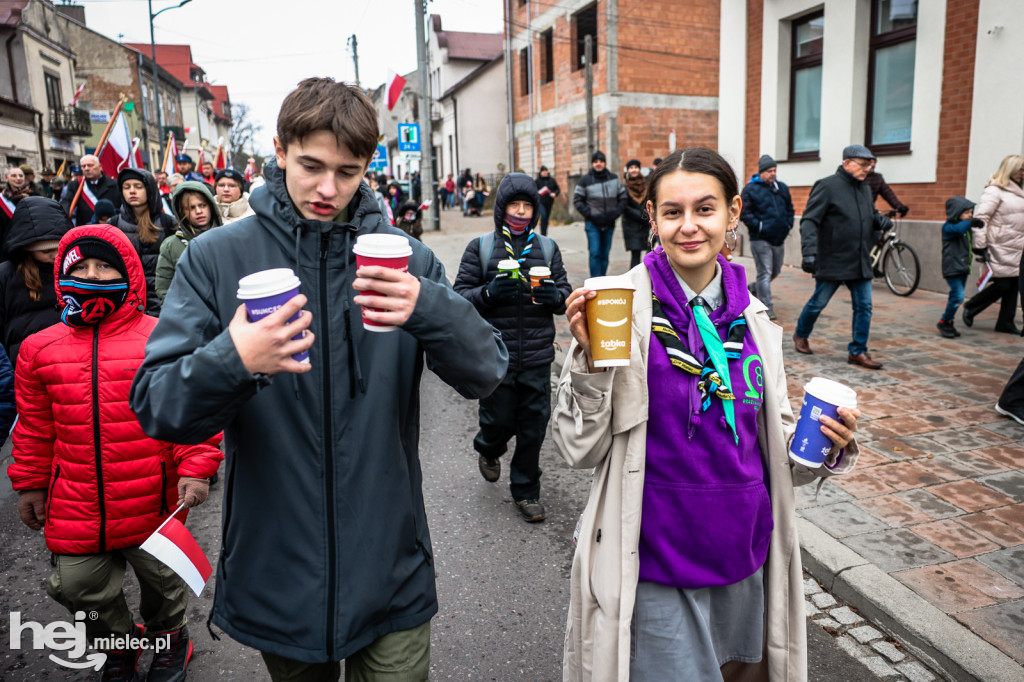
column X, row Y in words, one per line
column 385, row 250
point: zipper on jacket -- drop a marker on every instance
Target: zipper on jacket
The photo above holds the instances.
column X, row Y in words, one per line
column 97, row 450
column 49, row 495
column 325, row 363
column 163, row 488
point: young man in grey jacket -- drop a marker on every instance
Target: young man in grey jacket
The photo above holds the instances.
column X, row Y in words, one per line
column 326, row 553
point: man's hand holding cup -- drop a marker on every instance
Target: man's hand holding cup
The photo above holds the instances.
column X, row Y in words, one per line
column 266, row 346
column 391, row 297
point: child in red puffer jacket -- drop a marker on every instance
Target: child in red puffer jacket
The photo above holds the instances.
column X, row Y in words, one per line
column 84, row 470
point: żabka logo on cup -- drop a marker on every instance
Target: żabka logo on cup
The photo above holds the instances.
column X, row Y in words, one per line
column 608, row 317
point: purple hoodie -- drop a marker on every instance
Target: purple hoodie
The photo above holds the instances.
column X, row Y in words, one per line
column 706, row 517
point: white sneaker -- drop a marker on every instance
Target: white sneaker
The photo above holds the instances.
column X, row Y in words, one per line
column 1011, row 415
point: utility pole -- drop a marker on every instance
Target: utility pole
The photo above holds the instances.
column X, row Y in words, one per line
column 355, row 56
column 429, row 191
column 588, row 79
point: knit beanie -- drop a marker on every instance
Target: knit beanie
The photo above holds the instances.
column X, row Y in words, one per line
column 634, row 162
column 92, row 247
column 765, row 163
column 598, row 156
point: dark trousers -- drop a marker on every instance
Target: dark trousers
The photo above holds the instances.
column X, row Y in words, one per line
column 545, row 216
column 1002, row 289
column 520, row 407
column 1012, row 399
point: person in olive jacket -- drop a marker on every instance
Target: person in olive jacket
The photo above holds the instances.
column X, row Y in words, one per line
column 838, row 228
column 768, row 214
column 521, row 405
column 326, row 553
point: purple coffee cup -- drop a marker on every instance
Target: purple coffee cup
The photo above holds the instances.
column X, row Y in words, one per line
column 265, row 292
column 822, row 397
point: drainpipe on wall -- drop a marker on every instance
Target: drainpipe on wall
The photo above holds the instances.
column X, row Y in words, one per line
column 508, row 82
column 42, row 147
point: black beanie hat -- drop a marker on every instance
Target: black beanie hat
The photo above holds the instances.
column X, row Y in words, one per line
column 764, row 163
column 92, row 247
column 520, row 196
column 232, row 174
column 598, row 156
column 634, row 162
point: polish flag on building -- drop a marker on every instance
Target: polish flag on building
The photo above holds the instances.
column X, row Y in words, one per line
column 120, row 151
column 394, row 89
column 78, row 93
column 174, row 546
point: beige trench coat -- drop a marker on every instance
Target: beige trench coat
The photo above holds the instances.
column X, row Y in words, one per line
column 1002, row 209
column 600, row 421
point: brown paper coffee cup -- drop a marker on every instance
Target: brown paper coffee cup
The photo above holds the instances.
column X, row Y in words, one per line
column 609, row 320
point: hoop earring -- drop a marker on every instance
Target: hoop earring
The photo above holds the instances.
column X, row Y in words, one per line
column 731, row 239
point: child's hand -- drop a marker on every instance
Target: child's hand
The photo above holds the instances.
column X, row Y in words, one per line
column 192, row 491
column 32, row 508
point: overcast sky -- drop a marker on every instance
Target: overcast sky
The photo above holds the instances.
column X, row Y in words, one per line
column 260, row 48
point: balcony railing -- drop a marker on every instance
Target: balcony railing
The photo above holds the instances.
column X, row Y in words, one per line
column 70, row 121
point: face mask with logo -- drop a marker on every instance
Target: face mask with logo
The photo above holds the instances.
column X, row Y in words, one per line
column 90, row 301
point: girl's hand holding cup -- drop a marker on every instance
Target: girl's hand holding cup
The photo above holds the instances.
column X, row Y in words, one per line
column 840, row 433
column 576, row 313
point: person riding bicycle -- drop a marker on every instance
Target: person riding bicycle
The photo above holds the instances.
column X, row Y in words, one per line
column 837, row 229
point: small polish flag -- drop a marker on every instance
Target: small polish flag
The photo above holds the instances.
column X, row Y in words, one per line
column 7, row 205
column 121, row 151
column 394, row 89
column 985, row 278
column 78, row 93
column 174, row 546
column 425, row 205
column 544, row 190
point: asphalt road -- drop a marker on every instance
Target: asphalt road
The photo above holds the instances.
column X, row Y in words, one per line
column 503, row 584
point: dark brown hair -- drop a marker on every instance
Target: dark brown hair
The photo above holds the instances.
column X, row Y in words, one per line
column 29, row 272
column 694, row 160
column 340, row 109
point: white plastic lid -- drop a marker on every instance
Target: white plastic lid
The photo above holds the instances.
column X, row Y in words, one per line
column 540, row 271
column 267, row 283
column 382, row 246
column 608, row 282
column 831, row 392
column 508, row 264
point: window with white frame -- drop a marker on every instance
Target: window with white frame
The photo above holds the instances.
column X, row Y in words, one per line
column 805, row 87
column 891, row 75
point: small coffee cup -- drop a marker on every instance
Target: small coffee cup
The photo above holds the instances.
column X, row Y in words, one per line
column 386, row 250
column 609, row 320
column 264, row 292
column 537, row 273
column 822, row 396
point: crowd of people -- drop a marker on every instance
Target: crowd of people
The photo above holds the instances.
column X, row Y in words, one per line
column 684, row 568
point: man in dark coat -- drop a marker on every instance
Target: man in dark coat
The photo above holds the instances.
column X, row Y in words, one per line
column 521, row 405
column 326, row 552
column 548, row 189
column 600, row 197
column 768, row 215
column 97, row 186
column 838, row 228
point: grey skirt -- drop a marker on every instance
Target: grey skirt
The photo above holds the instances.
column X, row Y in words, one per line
column 682, row 634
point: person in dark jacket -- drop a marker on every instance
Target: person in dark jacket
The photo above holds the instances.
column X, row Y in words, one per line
column 878, row 185
column 521, row 405
column 409, row 220
column 600, row 198
column 326, row 552
column 636, row 225
column 97, row 186
column 104, row 213
column 394, row 198
column 143, row 220
column 465, row 184
column 768, row 214
column 838, row 228
column 13, row 191
column 28, row 303
column 956, row 257
column 548, row 189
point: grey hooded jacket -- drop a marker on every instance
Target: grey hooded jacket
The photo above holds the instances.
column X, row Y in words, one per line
column 325, row 540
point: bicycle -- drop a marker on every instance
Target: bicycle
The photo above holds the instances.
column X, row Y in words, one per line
column 900, row 265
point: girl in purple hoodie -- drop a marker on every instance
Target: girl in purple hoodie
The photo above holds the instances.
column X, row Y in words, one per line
column 689, row 472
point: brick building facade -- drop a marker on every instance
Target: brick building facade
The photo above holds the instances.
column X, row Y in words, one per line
column 647, row 81
column 953, row 104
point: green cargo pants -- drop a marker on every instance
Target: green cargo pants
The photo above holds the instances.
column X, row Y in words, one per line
column 402, row 656
column 94, row 583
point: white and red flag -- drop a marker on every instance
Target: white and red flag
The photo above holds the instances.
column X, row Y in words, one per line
column 394, row 88
column 221, row 160
column 985, row 278
column 170, row 164
column 174, row 546
column 250, row 170
column 120, row 151
column 425, row 205
column 7, row 206
column 88, row 196
column 78, row 93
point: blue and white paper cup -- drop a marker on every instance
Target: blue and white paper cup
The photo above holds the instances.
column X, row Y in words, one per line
column 822, row 396
column 266, row 291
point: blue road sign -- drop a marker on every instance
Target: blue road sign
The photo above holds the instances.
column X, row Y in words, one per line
column 408, row 137
column 379, row 162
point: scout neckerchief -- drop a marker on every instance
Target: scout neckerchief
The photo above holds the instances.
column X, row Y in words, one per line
column 714, row 372
column 508, row 244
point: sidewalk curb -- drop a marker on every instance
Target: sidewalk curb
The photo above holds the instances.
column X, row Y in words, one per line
column 944, row 644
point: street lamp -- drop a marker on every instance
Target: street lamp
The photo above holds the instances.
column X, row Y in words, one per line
column 156, row 80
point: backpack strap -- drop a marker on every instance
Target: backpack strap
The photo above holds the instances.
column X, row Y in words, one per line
column 547, row 248
column 486, row 246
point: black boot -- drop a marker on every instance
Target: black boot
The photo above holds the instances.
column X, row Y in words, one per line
column 122, row 664
column 170, row 663
column 947, row 330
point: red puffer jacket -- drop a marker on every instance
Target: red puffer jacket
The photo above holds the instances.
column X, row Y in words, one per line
column 109, row 485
